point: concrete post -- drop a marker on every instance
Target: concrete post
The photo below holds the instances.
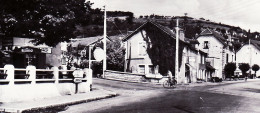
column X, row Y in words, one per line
column 10, row 73
column 56, row 74
column 88, row 73
column 31, row 70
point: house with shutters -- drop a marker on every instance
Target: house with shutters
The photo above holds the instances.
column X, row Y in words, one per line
column 249, row 53
column 219, row 50
column 138, row 59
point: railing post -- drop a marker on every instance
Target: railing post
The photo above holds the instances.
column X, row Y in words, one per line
column 10, row 73
column 88, row 73
column 31, row 70
column 56, row 74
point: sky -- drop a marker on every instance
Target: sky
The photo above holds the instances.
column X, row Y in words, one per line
column 242, row 13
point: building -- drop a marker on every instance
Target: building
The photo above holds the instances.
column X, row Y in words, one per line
column 139, row 60
column 75, row 51
column 219, row 51
column 249, row 53
column 21, row 52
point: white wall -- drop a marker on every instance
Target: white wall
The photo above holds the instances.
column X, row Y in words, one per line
column 215, row 50
column 136, row 60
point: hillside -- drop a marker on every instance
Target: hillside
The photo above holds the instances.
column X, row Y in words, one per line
column 119, row 22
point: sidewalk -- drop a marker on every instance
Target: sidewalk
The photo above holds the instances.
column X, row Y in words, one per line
column 18, row 107
column 217, row 83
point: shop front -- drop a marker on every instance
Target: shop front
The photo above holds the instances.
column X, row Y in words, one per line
column 25, row 56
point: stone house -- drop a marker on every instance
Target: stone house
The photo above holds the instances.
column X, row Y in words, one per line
column 249, row 53
column 138, row 60
column 219, row 51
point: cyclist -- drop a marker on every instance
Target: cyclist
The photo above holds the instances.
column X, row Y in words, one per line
column 171, row 79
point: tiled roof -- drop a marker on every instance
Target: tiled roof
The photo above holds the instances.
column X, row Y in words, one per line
column 88, row 41
column 209, row 32
column 256, row 44
column 192, row 41
column 164, row 29
column 253, row 42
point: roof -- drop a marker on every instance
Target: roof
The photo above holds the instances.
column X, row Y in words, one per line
column 192, row 41
column 253, row 42
column 256, row 44
column 87, row 41
column 168, row 32
column 24, row 42
column 162, row 28
column 209, row 32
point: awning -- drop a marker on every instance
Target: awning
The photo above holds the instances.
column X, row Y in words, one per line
column 187, row 64
column 210, row 68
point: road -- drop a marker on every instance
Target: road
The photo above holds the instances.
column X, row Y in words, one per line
column 232, row 97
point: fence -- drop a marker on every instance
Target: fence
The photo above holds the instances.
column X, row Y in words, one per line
column 18, row 84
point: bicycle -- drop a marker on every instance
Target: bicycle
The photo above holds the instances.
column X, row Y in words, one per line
column 170, row 83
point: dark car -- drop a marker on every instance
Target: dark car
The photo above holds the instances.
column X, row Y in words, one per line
column 215, row 79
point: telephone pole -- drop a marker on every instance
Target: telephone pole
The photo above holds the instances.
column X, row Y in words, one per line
column 250, row 57
column 177, row 51
column 105, row 42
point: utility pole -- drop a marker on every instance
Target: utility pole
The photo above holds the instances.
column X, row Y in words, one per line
column 105, row 41
column 250, row 58
column 89, row 56
column 177, row 51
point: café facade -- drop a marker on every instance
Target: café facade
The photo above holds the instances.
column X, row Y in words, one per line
column 21, row 52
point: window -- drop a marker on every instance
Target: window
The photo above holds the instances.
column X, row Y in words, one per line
column 142, row 69
column 227, row 59
column 151, row 69
column 142, row 49
column 206, row 44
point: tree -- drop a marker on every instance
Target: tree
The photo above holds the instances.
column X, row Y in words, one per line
column 115, row 56
column 229, row 69
column 161, row 48
column 255, row 68
column 48, row 21
column 244, row 67
column 191, row 31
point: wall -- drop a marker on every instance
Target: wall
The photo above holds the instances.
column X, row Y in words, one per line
column 23, row 92
column 133, row 53
column 31, row 88
column 132, row 77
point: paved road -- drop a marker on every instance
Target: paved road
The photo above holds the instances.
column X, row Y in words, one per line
column 234, row 97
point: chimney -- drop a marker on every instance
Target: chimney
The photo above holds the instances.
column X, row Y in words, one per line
column 181, row 35
column 229, row 39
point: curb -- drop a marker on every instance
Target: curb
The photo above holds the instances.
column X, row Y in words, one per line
column 63, row 107
column 56, row 107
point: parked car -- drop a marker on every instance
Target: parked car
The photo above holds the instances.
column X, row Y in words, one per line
column 215, row 79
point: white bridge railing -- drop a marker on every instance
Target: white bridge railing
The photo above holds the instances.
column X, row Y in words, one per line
column 31, row 83
column 10, row 75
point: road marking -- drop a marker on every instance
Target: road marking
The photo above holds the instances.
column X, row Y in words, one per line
column 202, row 99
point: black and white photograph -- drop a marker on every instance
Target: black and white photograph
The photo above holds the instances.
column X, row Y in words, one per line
column 129, row 56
